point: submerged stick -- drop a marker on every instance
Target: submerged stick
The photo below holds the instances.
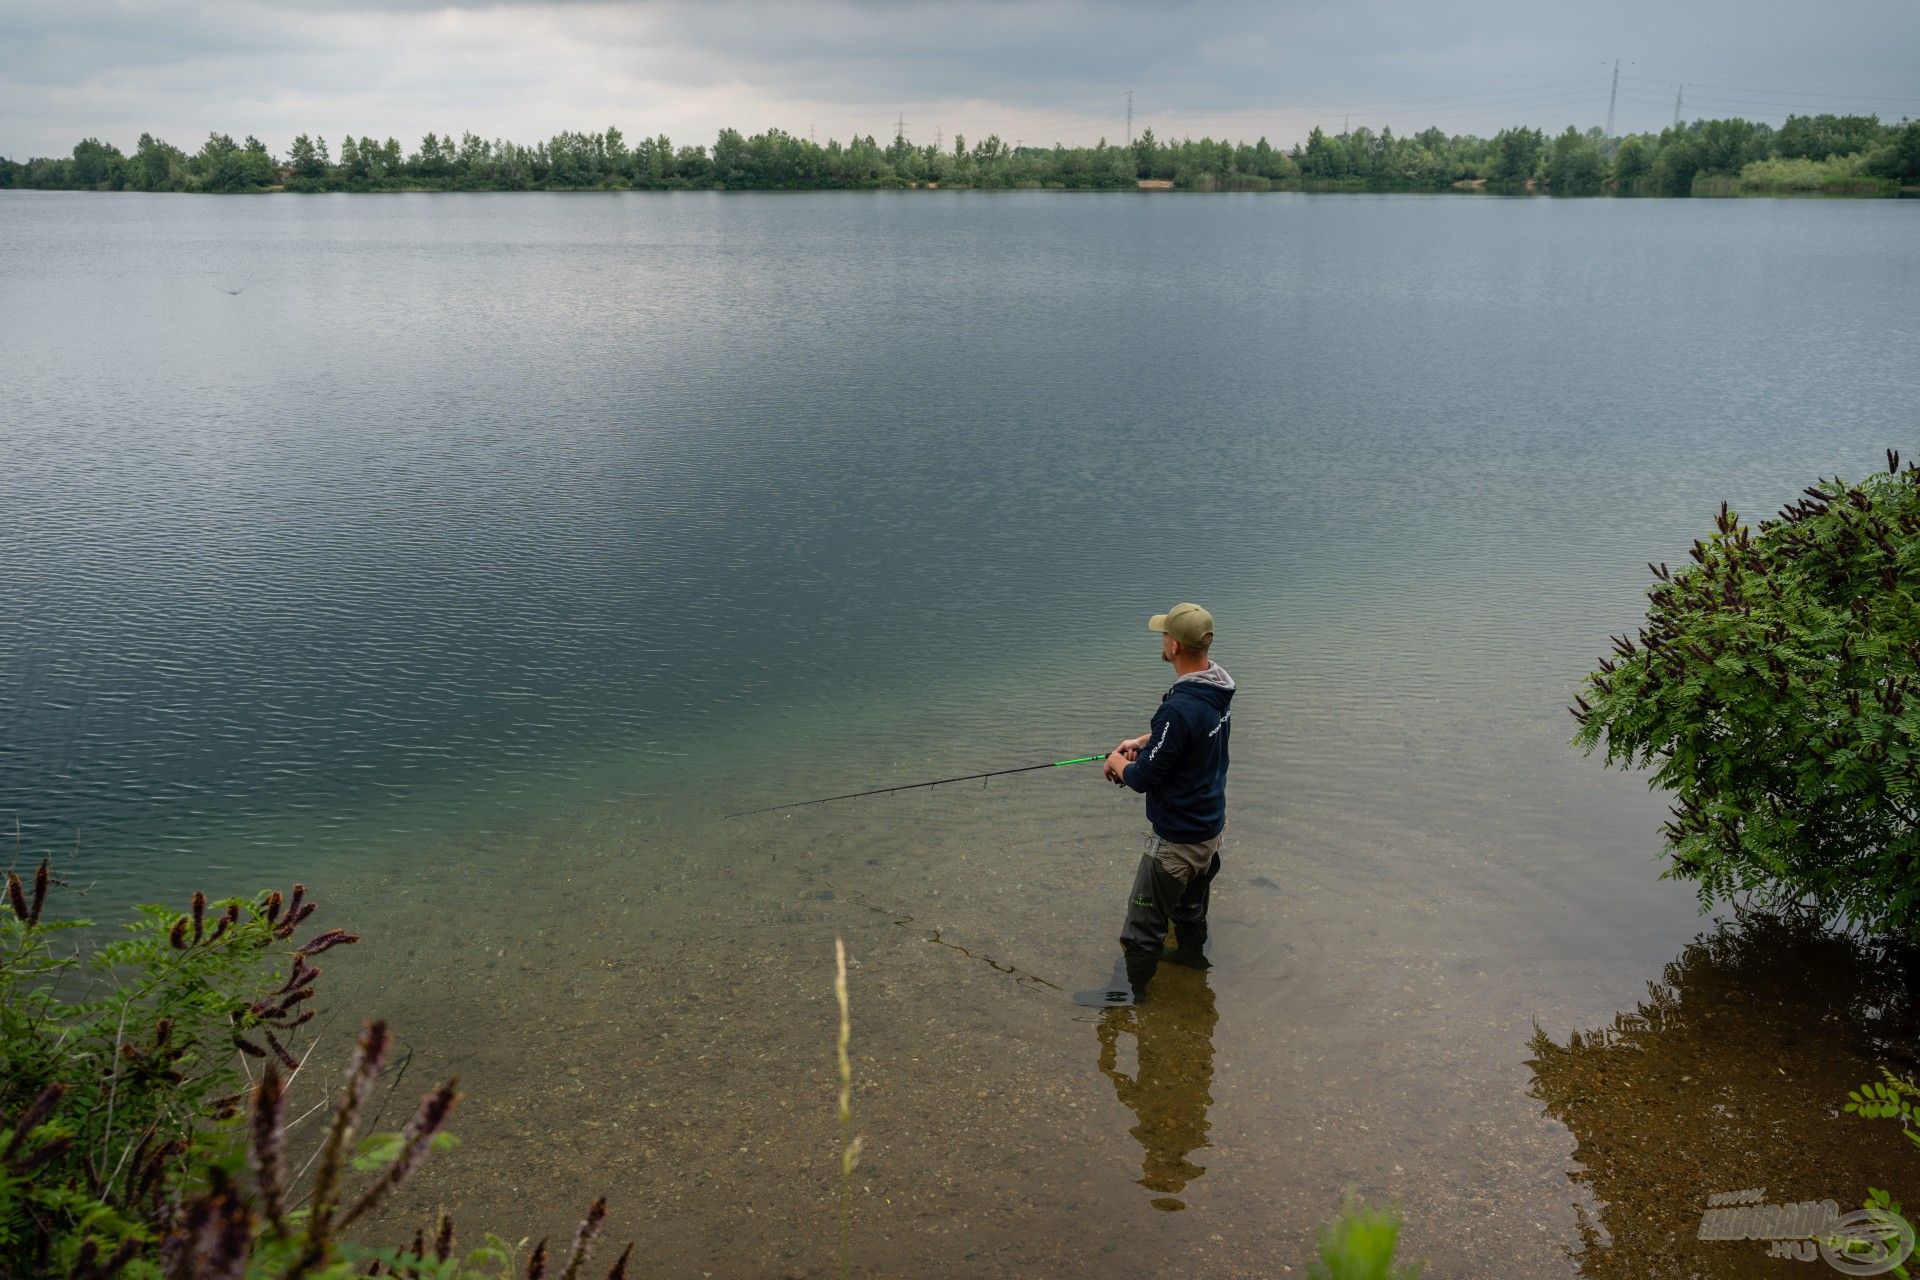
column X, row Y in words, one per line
column 850, row 1141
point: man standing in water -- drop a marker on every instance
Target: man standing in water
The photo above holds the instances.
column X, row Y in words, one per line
column 1181, row 765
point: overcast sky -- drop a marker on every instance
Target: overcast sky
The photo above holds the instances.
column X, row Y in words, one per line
column 1037, row 71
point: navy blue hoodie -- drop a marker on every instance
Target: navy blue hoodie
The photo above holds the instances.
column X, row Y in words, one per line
column 1183, row 768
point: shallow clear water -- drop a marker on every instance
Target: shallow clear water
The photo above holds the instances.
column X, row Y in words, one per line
column 470, row 557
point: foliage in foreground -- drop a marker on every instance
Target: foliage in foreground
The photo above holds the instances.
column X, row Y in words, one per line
column 1893, row 1097
column 1775, row 690
column 1359, row 1245
column 137, row 1140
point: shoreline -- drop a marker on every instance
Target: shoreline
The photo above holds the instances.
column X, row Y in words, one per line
column 1478, row 187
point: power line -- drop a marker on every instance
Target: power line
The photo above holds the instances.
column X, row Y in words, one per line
column 1477, row 103
column 1583, row 86
column 1513, row 102
column 1569, row 98
column 1306, row 113
column 1790, row 93
column 1773, row 115
column 1571, row 101
column 1738, row 104
column 1330, row 107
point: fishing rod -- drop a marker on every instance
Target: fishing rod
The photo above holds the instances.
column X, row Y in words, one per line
column 912, row 786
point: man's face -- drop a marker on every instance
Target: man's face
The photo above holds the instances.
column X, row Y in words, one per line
column 1168, row 647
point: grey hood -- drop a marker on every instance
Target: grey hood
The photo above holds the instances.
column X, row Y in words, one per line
column 1215, row 675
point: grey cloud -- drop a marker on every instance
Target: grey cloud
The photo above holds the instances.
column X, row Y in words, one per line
column 1036, row 69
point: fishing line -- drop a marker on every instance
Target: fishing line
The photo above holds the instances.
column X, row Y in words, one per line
column 913, row 786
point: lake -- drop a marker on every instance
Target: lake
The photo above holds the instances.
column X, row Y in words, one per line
column 471, row 557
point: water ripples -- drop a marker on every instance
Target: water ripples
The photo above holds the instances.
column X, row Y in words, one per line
column 459, row 496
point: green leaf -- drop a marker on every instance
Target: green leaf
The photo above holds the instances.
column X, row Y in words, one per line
column 377, row 1151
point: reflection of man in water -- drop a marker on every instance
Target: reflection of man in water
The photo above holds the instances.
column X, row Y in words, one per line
column 1172, row 1086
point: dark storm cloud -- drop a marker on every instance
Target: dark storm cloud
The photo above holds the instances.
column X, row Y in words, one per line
column 1037, row 70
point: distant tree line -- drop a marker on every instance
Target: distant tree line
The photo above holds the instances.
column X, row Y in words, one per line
column 1819, row 153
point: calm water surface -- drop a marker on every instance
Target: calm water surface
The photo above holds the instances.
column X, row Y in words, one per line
column 470, row 557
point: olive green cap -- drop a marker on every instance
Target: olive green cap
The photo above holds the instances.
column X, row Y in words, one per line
column 1188, row 623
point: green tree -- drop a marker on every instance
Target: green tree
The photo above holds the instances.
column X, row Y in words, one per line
column 432, row 160
column 224, row 165
column 898, row 150
column 691, row 165
column 729, row 158
column 1728, row 146
column 1899, row 156
column 307, row 158
column 157, row 166
column 1361, row 152
column 1516, row 156
column 1775, row 691
column 1574, row 168
column 1861, row 156
column 1819, row 136
column 1677, row 160
column 474, row 162
column 95, row 164
column 1631, row 163
column 1322, row 157
column 1143, row 149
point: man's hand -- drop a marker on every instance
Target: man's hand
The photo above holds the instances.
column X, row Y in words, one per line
column 1125, row 754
